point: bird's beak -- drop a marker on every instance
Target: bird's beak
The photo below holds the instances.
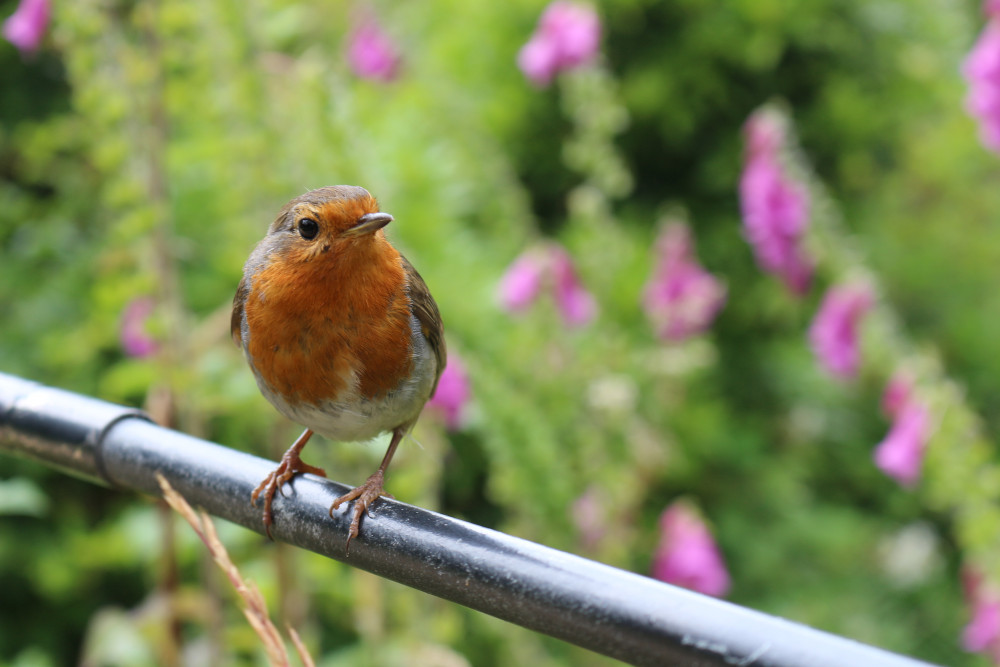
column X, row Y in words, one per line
column 369, row 223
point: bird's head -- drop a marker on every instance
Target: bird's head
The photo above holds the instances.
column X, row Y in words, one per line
column 331, row 221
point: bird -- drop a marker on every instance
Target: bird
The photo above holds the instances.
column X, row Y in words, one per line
column 340, row 331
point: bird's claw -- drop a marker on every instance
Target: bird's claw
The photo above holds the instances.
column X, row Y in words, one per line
column 289, row 466
column 363, row 497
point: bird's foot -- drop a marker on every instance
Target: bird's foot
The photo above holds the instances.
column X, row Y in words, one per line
column 363, row 496
column 289, row 466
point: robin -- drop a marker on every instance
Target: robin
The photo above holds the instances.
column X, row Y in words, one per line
column 340, row 332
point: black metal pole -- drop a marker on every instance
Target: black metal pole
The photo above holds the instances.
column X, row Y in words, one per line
column 610, row 611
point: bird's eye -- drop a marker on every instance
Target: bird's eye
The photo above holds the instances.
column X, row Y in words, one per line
column 308, row 228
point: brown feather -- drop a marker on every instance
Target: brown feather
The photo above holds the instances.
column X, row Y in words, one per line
column 236, row 322
column 426, row 312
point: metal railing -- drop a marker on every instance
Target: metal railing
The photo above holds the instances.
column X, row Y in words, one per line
column 620, row 614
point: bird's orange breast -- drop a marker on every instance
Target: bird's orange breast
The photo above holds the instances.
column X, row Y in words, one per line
column 331, row 325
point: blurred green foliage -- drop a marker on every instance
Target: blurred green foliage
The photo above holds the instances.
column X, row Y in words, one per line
column 148, row 145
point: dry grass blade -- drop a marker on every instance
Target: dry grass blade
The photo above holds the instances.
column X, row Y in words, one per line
column 255, row 609
column 300, row 647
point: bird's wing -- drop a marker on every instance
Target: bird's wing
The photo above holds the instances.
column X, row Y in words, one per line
column 426, row 312
column 236, row 322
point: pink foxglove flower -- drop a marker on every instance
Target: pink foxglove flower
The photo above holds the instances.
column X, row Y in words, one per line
column 575, row 303
column 687, row 554
column 547, row 267
column 834, row 331
column 135, row 340
column 897, row 394
column 568, row 35
column 775, row 208
column 522, row 282
column 370, row 52
column 681, row 298
column 982, row 70
column 453, row 392
column 982, row 634
column 26, row 27
column 901, row 454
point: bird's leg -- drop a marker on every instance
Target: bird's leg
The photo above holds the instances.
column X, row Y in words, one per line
column 290, row 465
column 368, row 492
